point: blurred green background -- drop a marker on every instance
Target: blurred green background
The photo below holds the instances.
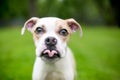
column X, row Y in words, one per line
column 97, row 53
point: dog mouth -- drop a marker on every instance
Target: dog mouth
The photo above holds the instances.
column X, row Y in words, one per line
column 50, row 54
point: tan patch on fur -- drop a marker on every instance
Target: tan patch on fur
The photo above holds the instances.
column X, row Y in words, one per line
column 61, row 24
column 36, row 37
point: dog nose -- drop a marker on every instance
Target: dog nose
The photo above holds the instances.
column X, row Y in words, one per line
column 50, row 41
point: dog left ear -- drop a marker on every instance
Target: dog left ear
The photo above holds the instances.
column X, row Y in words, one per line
column 74, row 25
column 29, row 24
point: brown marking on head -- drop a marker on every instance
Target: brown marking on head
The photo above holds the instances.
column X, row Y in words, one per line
column 31, row 26
column 69, row 26
column 37, row 36
column 61, row 24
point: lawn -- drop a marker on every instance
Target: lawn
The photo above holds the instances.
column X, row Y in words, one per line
column 97, row 54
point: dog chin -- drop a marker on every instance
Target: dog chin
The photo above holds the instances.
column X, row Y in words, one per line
column 51, row 56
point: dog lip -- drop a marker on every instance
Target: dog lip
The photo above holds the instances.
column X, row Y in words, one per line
column 50, row 54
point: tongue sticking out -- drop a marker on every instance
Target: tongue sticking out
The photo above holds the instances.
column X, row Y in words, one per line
column 50, row 53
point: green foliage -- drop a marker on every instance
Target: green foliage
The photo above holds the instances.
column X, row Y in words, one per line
column 13, row 8
column 84, row 11
column 17, row 55
column 97, row 54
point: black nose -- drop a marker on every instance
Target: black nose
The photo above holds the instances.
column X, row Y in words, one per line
column 50, row 41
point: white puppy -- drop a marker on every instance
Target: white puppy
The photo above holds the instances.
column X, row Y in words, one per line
column 54, row 60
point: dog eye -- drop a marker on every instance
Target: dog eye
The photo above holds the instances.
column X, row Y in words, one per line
column 39, row 30
column 63, row 32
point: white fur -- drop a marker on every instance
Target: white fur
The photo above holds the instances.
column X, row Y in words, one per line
column 64, row 68
column 50, row 26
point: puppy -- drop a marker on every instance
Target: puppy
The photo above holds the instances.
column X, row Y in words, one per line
column 54, row 60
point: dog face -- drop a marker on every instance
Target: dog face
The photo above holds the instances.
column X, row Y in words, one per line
column 51, row 35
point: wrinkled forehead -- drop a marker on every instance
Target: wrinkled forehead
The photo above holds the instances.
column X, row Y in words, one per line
column 50, row 23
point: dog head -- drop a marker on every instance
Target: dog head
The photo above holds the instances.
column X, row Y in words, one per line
column 51, row 35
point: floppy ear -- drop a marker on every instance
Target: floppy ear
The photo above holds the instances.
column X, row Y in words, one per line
column 74, row 26
column 29, row 24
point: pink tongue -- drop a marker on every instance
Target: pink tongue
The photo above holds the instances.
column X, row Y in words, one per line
column 50, row 53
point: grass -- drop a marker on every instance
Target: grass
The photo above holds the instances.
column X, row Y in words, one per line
column 97, row 54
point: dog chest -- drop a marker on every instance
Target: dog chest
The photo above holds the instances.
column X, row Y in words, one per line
column 54, row 76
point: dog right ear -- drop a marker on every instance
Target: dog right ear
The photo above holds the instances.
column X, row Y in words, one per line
column 29, row 24
column 74, row 25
